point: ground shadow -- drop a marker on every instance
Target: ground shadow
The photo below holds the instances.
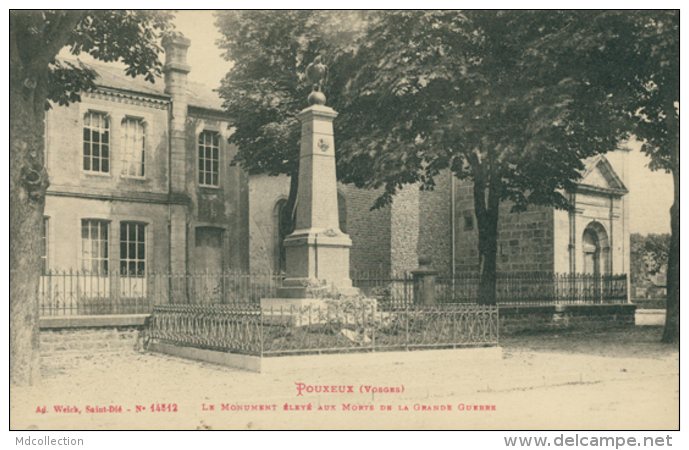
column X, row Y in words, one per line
column 630, row 342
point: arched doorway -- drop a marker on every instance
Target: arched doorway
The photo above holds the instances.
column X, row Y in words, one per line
column 596, row 250
column 596, row 253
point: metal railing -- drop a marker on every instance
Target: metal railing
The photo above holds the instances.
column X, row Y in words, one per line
column 529, row 289
column 216, row 327
column 64, row 293
column 79, row 292
column 511, row 289
column 324, row 329
column 389, row 288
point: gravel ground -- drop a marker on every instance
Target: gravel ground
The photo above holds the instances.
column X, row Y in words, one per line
column 623, row 379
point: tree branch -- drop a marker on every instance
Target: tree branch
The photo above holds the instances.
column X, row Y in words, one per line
column 57, row 37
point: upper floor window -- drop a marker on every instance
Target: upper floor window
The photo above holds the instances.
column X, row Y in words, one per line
column 132, row 248
column 96, row 142
column 209, row 158
column 133, row 147
column 94, row 246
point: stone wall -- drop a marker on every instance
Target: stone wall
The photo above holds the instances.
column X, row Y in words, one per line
column 264, row 193
column 59, row 346
column 525, row 240
column 369, row 230
column 435, row 224
column 404, row 230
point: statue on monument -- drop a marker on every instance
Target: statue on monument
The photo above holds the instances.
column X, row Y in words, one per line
column 317, row 73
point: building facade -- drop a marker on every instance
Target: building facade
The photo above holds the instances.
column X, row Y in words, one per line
column 591, row 239
column 141, row 180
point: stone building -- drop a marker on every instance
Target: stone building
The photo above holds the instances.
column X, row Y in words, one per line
column 141, row 181
column 140, row 177
column 440, row 224
column 591, row 239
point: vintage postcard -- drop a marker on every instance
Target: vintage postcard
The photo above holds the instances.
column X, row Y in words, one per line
column 187, row 283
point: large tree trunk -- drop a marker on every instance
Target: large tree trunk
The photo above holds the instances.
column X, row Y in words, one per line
column 487, row 208
column 671, row 332
column 28, row 183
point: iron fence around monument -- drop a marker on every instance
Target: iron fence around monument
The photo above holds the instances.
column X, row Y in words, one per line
column 232, row 328
column 332, row 328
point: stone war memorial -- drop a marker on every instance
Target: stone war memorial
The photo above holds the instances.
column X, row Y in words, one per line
column 316, row 309
column 317, row 251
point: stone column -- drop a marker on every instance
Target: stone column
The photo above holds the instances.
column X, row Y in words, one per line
column 424, row 283
column 176, row 71
column 317, row 251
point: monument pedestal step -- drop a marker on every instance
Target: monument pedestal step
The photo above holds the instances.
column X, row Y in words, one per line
column 295, row 312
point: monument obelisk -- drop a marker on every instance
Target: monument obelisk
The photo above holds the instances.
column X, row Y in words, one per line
column 317, row 252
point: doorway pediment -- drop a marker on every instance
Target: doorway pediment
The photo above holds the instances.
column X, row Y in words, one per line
column 601, row 177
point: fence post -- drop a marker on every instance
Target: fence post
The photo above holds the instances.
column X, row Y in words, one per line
column 424, row 282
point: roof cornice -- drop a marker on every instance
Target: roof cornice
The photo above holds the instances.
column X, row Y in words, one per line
column 580, row 187
column 131, row 96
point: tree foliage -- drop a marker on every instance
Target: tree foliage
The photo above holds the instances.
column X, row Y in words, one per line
column 37, row 77
column 476, row 92
column 648, row 255
column 266, row 87
column 37, row 37
column 492, row 96
column 510, row 100
column 652, row 103
column 636, row 60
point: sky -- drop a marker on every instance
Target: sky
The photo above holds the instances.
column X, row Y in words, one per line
column 651, row 193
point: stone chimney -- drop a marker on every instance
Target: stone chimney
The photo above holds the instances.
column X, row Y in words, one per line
column 176, row 70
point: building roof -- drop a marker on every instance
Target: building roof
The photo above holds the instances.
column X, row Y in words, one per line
column 113, row 76
column 599, row 175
